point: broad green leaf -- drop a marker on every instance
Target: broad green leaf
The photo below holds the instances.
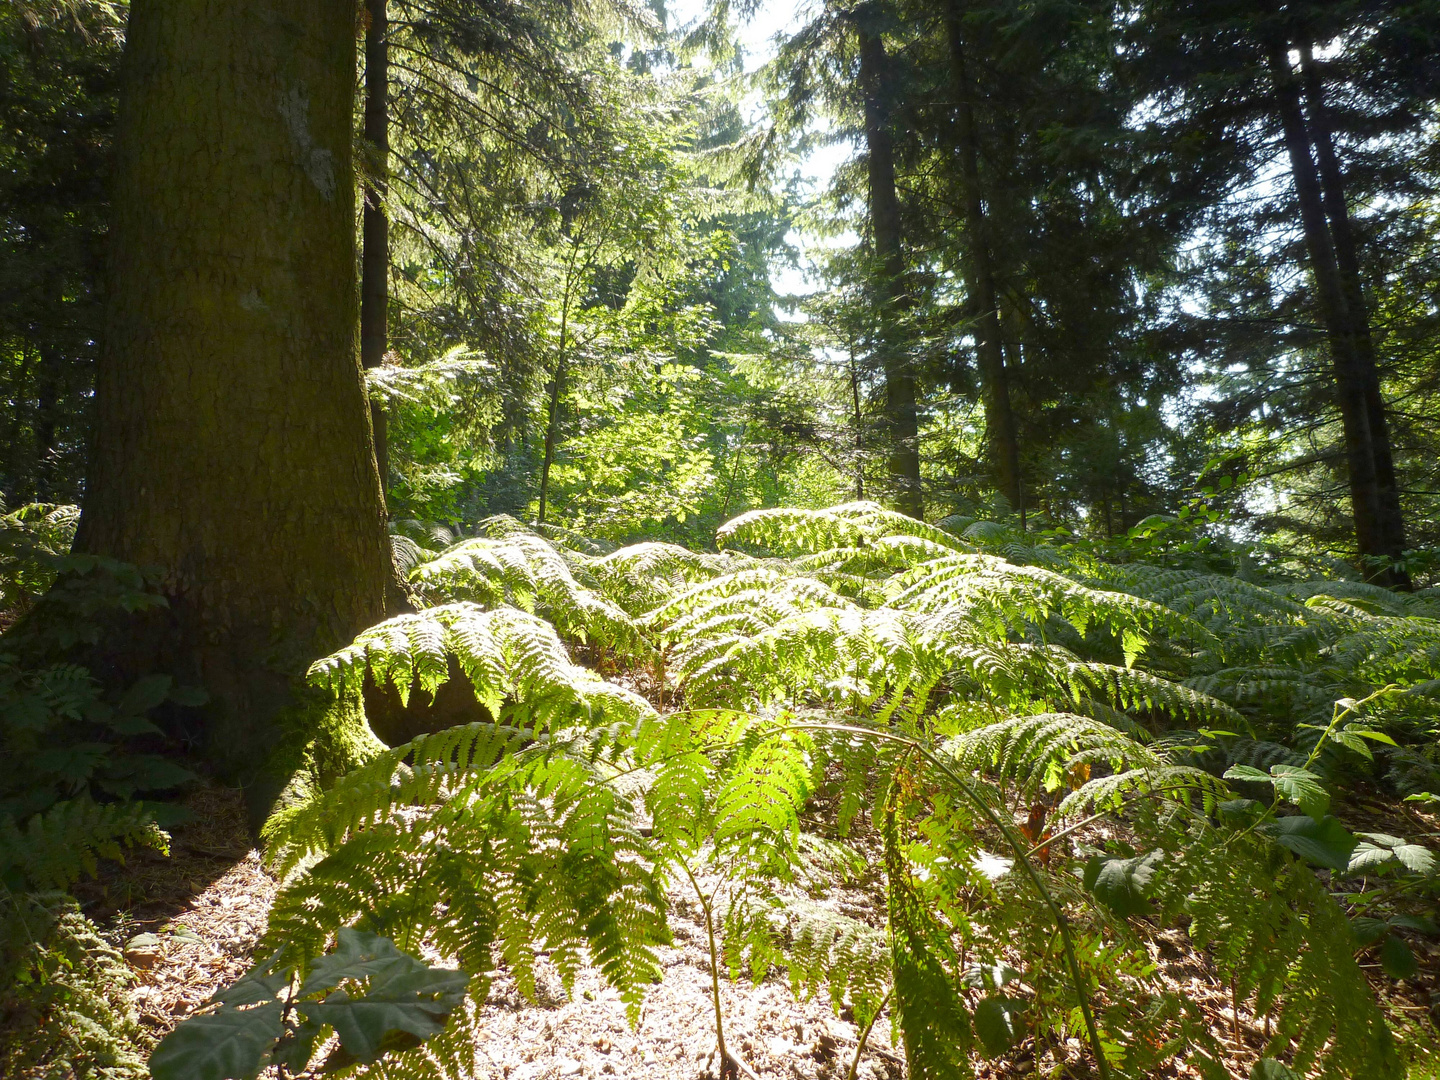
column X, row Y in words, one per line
column 230, row 1044
column 142, row 772
column 1368, row 930
column 1270, row 1069
column 138, row 724
column 1396, row 958
column 144, row 695
column 1379, row 848
column 1248, row 773
column 358, row 954
column 1383, row 839
column 1123, row 885
column 1324, row 843
column 1301, row 787
column 1240, row 810
column 1376, row 736
column 997, row 1024
column 1368, row 856
column 1351, row 741
column 262, row 982
column 1419, row 923
column 1417, row 859
column 298, row 1046
column 415, row 1001
column 401, row 993
column 189, row 696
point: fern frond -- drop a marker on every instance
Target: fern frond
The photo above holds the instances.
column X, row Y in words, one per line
column 525, row 571
column 55, row 848
column 515, row 661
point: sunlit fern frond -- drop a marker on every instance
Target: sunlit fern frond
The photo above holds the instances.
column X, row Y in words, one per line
column 516, row 663
column 792, row 532
column 526, row 571
column 1382, row 649
column 1003, row 597
column 500, row 858
column 769, row 592
column 641, row 577
column 1043, row 751
column 881, row 557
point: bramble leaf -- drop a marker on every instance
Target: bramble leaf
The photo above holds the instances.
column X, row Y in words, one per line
column 1123, row 885
column 230, row 1044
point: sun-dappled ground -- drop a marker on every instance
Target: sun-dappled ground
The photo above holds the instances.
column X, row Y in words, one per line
column 188, row 925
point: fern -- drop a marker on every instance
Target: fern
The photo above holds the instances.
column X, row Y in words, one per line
column 54, row 849
column 64, row 988
column 515, row 662
column 849, row 659
column 525, row 571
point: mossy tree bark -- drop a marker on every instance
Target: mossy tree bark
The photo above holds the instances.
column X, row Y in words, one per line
column 233, row 448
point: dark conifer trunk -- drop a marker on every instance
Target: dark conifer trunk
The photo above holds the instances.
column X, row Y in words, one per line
column 1000, row 428
column 232, row 444
column 1350, row 375
column 47, row 413
column 375, row 225
column 901, row 420
column 1347, row 260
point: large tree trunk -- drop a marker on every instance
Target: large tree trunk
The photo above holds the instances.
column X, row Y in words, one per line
column 1352, row 284
column 901, row 419
column 232, row 447
column 979, row 275
column 1334, row 312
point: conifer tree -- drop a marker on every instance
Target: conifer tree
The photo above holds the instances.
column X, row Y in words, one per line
column 232, row 447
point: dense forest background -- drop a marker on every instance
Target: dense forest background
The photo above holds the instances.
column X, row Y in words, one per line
column 1069, row 232
column 939, row 501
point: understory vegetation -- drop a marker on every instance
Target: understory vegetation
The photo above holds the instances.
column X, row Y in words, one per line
column 1054, row 758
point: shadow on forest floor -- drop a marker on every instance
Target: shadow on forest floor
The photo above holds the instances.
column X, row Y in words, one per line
column 187, row 923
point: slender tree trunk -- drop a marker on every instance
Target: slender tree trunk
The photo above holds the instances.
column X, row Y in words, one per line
column 901, row 415
column 556, row 388
column 232, row 443
column 20, row 478
column 552, row 424
column 47, row 411
column 859, row 426
column 375, row 226
column 979, row 274
column 1337, row 212
column 1334, row 312
column 1013, row 349
column 375, row 257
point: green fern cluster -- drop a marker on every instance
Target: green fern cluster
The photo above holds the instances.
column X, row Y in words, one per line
column 830, row 663
column 65, row 1011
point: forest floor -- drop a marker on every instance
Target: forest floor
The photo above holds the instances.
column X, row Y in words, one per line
column 188, row 925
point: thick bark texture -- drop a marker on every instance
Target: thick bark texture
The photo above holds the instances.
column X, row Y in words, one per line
column 978, row 270
column 1356, row 379
column 375, row 226
column 901, row 420
column 233, row 448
